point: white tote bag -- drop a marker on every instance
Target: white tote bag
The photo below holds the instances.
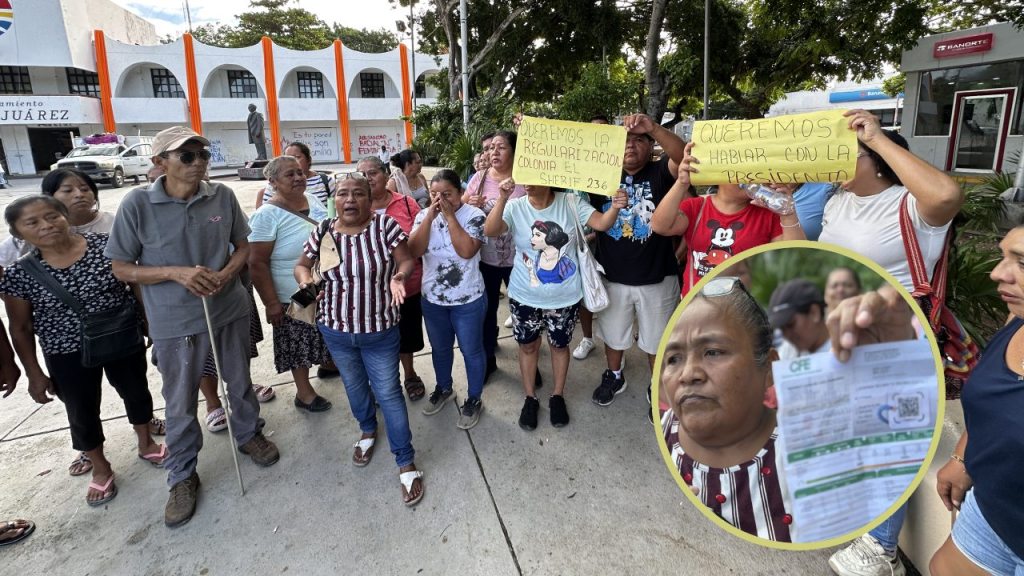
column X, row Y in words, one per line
column 595, row 295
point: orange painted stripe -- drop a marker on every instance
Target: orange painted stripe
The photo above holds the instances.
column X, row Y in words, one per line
column 106, row 102
column 403, row 53
column 339, row 77
column 195, row 113
column 271, row 82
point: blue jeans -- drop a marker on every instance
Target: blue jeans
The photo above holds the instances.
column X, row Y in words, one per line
column 368, row 364
column 493, row 277
column 465, row 321
column 888, row 533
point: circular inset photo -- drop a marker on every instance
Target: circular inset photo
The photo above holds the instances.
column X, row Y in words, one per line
column 800, row 398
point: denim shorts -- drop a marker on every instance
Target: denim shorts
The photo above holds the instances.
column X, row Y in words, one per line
column 528, row 322
column 980, row 544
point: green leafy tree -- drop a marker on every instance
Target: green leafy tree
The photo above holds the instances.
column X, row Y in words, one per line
column 363, row 40
column 291, row 27
column 535, row 49
column 946, row 16
column 611, row 92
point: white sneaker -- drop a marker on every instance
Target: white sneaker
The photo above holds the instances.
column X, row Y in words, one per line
column 508, row 322
column 585, row 347
column 866, row 557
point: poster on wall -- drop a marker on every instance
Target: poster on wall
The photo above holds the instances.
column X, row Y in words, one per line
column 323, row 142
column 367, row 140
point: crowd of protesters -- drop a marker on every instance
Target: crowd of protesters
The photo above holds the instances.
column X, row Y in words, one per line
column 402, row 254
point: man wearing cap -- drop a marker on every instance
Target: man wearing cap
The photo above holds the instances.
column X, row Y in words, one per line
column 184, row 240
column 797, row 308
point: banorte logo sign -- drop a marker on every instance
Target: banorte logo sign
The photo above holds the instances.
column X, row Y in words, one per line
column 964, row 45
column 6, row 16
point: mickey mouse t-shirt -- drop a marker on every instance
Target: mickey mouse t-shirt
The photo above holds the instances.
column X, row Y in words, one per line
column 714, row 237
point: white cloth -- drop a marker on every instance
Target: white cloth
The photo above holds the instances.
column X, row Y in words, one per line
column 870, row 226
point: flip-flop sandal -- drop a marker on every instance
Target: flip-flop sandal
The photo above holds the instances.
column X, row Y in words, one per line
column 26, row 526
column 84, row 462
column 157, row 427
column 263, row 393
column 109, row 490
column 415, row 388
column 407, row 479
column 156, row 458
column 363, row 448
column 217, row 420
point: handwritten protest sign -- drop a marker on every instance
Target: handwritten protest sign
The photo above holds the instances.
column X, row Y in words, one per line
column 575, row 155
column 813, row 147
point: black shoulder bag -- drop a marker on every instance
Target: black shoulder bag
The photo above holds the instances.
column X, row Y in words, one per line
column 107, row 335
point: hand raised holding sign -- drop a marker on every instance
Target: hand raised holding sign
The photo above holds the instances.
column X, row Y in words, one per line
column 686, row 166
column 639, row 124
column 866, row 124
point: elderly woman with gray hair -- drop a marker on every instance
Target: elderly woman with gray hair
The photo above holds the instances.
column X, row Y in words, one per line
column 280, row 227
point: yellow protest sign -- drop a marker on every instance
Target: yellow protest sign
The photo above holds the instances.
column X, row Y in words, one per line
column 812, row 147
column 574, row 155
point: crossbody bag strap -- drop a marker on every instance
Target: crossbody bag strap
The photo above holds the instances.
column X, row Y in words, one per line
column 34, row 268
column 294, row 213
column 915, row 261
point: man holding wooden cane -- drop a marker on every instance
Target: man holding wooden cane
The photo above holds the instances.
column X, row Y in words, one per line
column 184, row 240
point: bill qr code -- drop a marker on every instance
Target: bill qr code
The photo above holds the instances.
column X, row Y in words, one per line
column 908, row 407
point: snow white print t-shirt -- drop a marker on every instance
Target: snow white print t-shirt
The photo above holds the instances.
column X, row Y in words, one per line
column 545, row 273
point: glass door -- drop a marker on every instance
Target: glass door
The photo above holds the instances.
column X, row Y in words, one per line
column 981, row 123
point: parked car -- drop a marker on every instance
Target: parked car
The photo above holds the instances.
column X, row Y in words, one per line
column 110, row 163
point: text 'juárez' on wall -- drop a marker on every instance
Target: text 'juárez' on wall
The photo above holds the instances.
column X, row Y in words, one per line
column 574, row 155
column 812, row 147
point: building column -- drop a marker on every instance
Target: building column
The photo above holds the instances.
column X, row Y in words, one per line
column 339, row 77
column 271, row 82
column 195, row 113
column 403, row 53
column 103, row 73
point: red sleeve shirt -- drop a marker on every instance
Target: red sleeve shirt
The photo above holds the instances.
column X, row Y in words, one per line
column 713, row 237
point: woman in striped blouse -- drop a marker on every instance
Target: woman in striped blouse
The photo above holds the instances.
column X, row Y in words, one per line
column 721, row 430
column 358, row 317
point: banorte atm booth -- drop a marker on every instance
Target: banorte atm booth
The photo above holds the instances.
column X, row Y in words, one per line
column 964, row 94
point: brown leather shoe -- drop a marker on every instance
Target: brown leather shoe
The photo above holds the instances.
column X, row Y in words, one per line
column 181, row 504
column 262, row 451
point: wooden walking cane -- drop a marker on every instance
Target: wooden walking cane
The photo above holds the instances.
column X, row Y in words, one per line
column 223, row 391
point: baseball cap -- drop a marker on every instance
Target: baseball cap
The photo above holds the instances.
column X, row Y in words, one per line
column 790, row 298
column 175, row 137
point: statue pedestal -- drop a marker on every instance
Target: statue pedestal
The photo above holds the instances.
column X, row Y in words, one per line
column 252, row 170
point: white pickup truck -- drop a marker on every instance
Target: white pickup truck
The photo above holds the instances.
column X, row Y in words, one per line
column 110, row 163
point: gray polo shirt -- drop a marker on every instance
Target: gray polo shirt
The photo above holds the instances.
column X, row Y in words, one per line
column 153, row 229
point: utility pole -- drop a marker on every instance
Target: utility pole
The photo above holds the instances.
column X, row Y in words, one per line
column 412, row 43
column 465, row 64
column 707, row 51
column 188, row 16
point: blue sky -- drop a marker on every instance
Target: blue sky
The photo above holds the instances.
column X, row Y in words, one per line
column 168, row 15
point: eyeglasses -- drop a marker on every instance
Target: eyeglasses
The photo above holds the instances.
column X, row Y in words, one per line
column 189, row 157
column 353, row 175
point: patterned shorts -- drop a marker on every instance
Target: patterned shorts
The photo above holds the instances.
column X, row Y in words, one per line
column 527, row 323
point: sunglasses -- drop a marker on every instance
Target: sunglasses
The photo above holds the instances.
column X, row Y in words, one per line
column 190, row 157
column 724, row 286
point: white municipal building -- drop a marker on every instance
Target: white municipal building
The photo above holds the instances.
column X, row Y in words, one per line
column 71, row 68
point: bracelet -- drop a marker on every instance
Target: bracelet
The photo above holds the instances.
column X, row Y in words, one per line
column 790, row 225
column 958, row 458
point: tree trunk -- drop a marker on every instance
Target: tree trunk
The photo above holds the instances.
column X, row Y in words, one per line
column 657, row 87
column 446, row 10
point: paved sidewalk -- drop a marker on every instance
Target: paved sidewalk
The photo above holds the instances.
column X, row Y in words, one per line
column 593, row 498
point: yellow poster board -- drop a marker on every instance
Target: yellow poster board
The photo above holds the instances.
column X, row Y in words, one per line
column 575, row 155
column 812, row 147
